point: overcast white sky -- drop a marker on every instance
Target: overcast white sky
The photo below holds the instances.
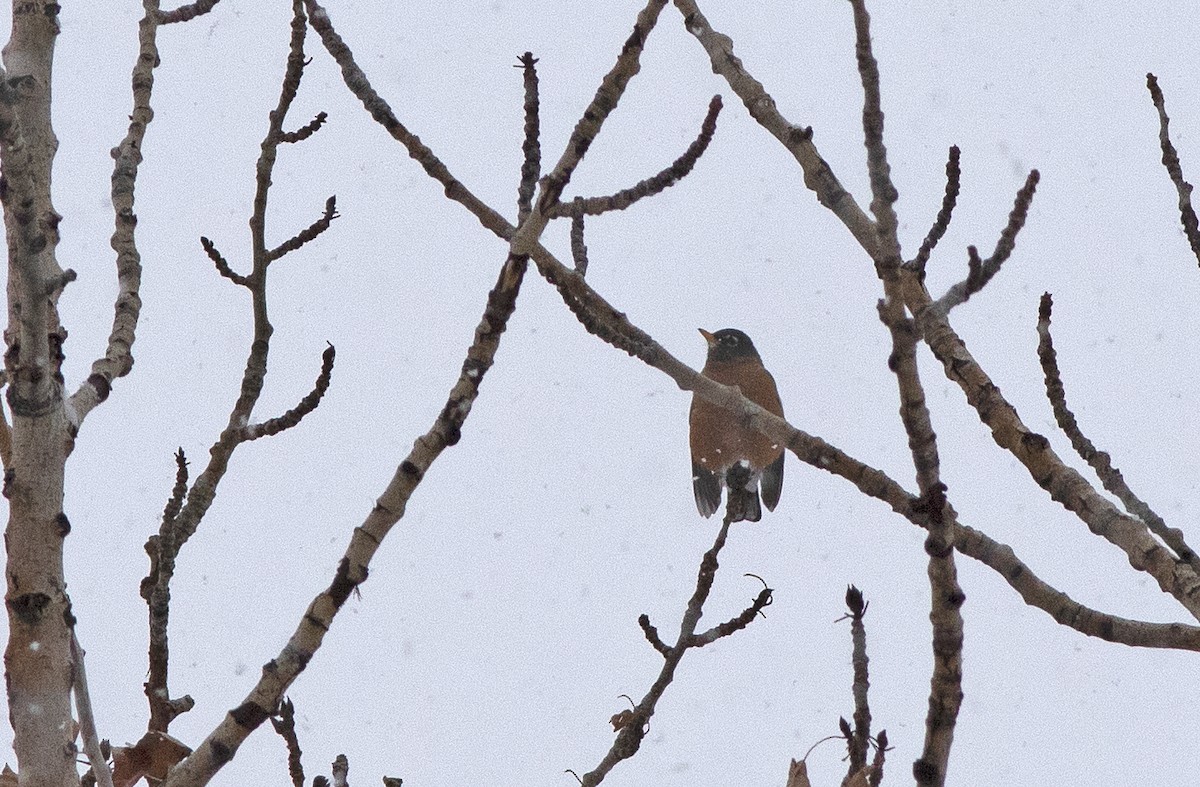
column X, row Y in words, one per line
column 499, row 623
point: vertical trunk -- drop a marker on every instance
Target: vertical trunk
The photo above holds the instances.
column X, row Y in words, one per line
column 37, row 660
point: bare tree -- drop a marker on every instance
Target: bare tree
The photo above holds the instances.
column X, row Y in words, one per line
column 44, row 660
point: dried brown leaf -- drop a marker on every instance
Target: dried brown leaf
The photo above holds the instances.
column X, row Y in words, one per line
column 151, row 757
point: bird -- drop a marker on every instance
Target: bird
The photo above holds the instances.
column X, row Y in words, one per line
column 726, row 453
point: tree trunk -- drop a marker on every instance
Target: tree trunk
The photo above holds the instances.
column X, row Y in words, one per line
column 37, row 659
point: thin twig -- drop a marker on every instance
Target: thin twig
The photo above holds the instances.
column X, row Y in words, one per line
column 980, row 272
column 285, row 725
column 161, row 548
column 798, row 140
column 1098, row 460
column 942, row 222
column 118, row 357
column 678, row 169
column 881, row 747
column 221, row 263
column 633, row 730
column 305, row 131
column 87, row 720
column 652, row 637
column 308, row 233
column 579, row 252
column 186, row 13
column 294, row 416
column 861, row 735
column 199, row 498
column 531, row 163
column 1170, row 160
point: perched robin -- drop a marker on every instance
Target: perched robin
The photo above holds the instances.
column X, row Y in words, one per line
column 726, row 453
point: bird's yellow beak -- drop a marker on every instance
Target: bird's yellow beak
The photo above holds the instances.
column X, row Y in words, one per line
column 708, row 337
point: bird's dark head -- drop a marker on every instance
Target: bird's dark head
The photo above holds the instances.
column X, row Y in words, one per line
column 728, row 344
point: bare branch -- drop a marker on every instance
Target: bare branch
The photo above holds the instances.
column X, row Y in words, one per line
column 87, row 720
column 294, row 416
column 633, row 730
column 1170, row 160
column 594, row 206
column 224, row 741
column 945, row 684
column 284, row 723
column 883, row 192
column 305, row 131
column 579, row 252
column 531, row 165
column 881, row 747
column 308, row 233
column 1099, row 461
column 162, row 548
column 942, row 222
column 818, row 176
column 605, row 101
column 281, row 671
column 182, row 517
column 186, row 13
column 652, row 635
column 735, row 624
column 118, row 358
column 223, row 268
column 378, row 108
column 1064, row 484
column 861, row 734
column 946, row 597
column 981, row 272
column 1065, row 610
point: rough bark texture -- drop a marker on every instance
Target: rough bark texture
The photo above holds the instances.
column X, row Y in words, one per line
column 37, row 659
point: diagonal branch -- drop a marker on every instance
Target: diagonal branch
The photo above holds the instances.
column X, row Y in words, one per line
column 308, row 233
column 942, row 222
column 223, row 742
column 635, row 723
column 1099, row 461
column 678, row 169
column 118, row 358
column 279, row 673
column 818, row 176
column 1170, row 160
column 982, row 271
column 294, row 416
column 1065, row 485
column 222, row 264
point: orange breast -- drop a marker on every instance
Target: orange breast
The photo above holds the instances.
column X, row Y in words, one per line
column 718, row 441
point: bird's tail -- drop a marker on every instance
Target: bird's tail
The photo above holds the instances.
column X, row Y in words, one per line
column 742, row 503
